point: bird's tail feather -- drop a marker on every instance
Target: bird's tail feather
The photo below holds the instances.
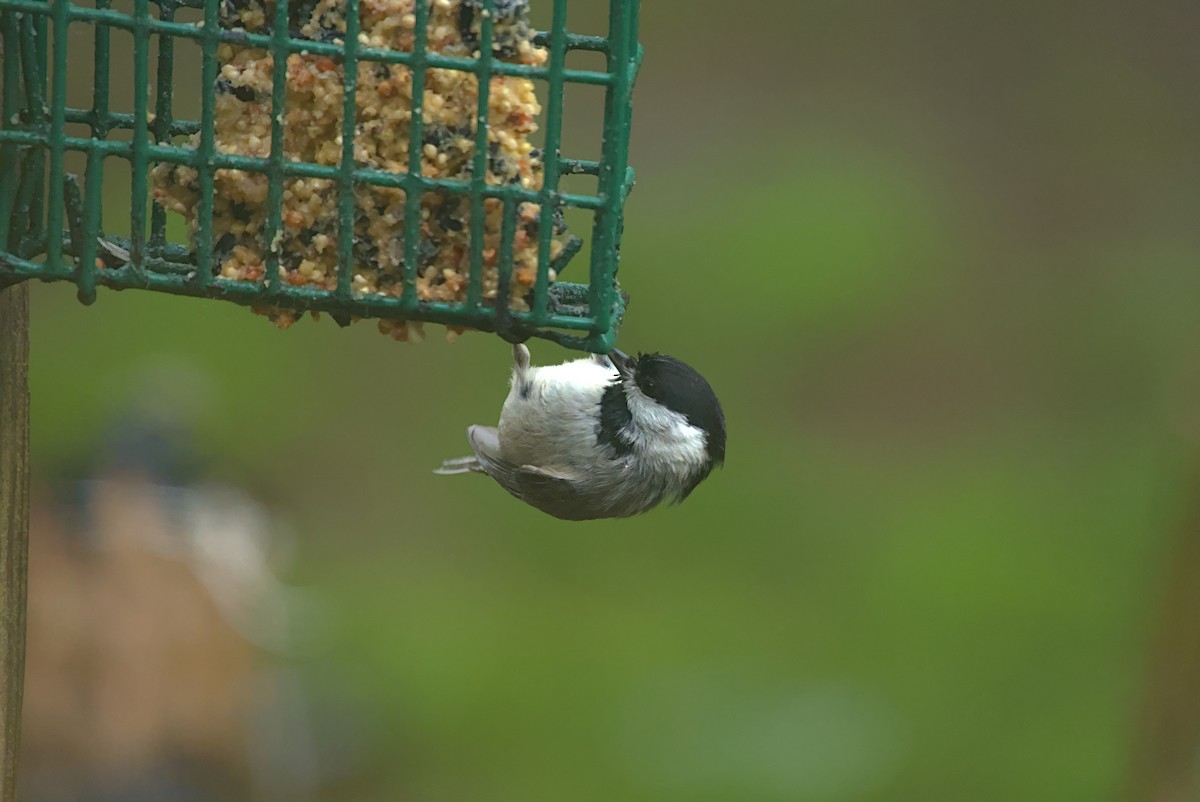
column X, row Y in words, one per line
column 483, row 439
column 459, row 465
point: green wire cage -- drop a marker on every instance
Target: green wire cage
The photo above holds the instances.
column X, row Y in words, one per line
column 52, row 221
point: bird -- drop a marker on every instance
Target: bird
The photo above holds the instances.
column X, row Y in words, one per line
column 605, row 436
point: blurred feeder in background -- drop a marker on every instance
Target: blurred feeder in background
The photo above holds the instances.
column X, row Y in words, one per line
column 155, row 614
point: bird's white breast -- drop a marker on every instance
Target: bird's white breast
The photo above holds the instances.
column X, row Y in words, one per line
column 549, row 417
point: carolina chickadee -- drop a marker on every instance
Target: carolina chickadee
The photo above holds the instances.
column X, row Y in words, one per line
column 600, row 437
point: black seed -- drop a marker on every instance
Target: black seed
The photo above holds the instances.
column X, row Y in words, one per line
column 366, row 252
column 436, row 135
column 242, row 93
column 510, row 25
column 329, row 35
column 222, row 251
column 428, row 252
column 500, row 166
column 239, row 212
column 300, row 13
column 449, row 216
column 466, row 21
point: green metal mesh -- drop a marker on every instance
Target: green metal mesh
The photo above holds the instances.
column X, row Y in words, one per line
column 50, row 225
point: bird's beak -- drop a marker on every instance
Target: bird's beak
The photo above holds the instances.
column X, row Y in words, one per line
column 622, row 361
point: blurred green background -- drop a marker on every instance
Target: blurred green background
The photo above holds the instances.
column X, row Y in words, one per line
column 939, row 260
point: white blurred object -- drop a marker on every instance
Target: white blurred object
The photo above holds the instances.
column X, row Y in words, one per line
column 227, row 538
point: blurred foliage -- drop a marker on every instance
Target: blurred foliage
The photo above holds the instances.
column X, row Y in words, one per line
column 939, row 262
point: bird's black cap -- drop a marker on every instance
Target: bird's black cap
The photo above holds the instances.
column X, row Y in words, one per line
column 678, row 387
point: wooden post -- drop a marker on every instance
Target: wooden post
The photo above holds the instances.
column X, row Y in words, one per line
column 14, row 523
column 1167, row 740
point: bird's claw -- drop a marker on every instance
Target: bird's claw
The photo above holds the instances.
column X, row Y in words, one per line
column 520, row 356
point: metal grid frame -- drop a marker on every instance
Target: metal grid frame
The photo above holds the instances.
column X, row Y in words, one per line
column 45, row 216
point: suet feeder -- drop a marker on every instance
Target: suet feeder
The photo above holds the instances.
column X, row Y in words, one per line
column 53, row 225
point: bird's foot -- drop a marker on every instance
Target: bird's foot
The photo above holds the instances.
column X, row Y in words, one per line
column 520, row 357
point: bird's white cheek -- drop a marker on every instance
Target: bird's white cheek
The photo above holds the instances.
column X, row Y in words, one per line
column 684, row 447
column 664, row 438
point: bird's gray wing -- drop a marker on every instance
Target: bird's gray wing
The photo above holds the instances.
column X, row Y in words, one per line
column 553, row 492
